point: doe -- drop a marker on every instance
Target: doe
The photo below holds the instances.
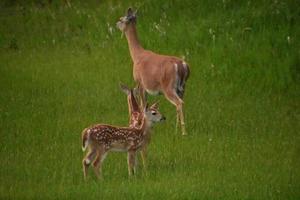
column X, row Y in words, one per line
column 155, row 73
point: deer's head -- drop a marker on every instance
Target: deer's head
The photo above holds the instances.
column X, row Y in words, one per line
column 152, row 114
column 128, row 19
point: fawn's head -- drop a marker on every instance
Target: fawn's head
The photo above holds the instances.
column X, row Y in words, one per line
column 125, row 21
column 152, row 114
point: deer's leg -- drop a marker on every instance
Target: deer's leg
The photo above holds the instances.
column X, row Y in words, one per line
column 181, row 117
column 87, row 161
column 177, row 121
column 142, row 93
column 101, row 154
column 144, row 151
column 175, row 100
column 144, row 156
column 131, row 160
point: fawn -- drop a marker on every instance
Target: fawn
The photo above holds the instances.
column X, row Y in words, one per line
column 102, row 138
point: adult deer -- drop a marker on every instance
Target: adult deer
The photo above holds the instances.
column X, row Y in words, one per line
column 102, row 138
column 135, row 118
column 155, row 73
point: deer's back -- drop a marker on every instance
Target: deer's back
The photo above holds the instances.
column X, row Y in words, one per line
column 154, row 70
column 115, row 138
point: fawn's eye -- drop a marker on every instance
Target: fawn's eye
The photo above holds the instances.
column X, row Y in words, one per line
column 154, row 113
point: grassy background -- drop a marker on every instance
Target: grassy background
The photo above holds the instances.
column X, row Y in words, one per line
column 60, row 67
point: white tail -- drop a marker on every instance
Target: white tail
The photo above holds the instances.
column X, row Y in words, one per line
column 155, row 73
column 104, row 138
column 85, row 139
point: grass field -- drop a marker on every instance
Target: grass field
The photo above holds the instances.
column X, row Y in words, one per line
column 60, row 68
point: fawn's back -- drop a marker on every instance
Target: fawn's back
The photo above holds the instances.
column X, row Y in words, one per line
column 115, row 138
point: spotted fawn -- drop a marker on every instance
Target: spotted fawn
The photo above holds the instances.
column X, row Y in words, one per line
column 101, row 138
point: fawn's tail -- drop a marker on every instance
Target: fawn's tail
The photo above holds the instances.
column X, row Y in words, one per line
column 85, row 138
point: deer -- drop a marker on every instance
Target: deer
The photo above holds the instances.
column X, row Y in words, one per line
column 135, row 117
column 100, row 139
column 155, row 73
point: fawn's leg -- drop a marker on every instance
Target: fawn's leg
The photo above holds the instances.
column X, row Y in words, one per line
column 144, row 156
column 144, row 151
column 131, row 161
column 101, row 154
column 87, row 161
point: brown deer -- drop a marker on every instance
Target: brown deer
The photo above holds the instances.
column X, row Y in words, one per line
column 155, row 73
column 135, row 118
column 102, row 138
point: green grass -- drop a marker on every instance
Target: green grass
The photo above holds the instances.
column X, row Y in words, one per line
column 60, row 69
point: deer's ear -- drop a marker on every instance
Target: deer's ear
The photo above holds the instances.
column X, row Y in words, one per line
column 146, row 108
column 155, row 105
column 129, row 12
column 136, row 91
column 124, row 88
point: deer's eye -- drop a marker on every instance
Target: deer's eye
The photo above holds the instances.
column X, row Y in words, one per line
column 154, row 113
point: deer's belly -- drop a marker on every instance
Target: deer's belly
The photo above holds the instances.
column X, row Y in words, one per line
column 119, row 147
column 153, row 92
column 118, row 150
column 124, row 147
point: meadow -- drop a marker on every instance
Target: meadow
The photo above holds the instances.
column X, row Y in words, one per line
column 60, row 68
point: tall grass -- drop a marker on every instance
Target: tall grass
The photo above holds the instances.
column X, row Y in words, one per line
column 60, row 68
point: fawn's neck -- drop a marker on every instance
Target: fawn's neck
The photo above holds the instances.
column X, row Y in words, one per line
column 145, row 126
column 133, row 42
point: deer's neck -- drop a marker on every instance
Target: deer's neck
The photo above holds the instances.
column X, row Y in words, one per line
column 133, row 42
column 145, row 126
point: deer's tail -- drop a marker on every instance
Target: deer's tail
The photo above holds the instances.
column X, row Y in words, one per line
column 183, row 72
column 85, row 138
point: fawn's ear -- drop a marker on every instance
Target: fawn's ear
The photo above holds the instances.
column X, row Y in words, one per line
column 155, row 105
column 124, row 88
column 146, row 108
column 136, row 91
